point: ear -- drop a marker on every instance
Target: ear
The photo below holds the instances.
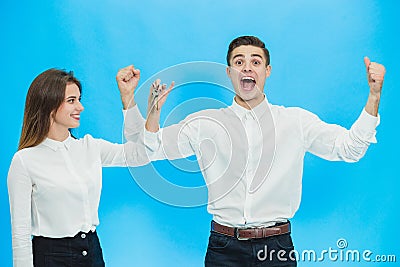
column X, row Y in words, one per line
column 52, row 116
column 268, row 70
column 228, row 71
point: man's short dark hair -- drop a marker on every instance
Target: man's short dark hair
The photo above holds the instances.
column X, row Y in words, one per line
column 247, row 40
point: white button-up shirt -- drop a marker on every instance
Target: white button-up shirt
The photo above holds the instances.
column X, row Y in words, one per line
column 252, row 160
column 54, row 187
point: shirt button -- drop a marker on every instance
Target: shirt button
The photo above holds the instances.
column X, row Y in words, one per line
column 84, row 253
column 83, row 235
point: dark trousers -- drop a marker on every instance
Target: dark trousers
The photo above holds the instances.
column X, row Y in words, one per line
column 227, row 251
column 82, row 250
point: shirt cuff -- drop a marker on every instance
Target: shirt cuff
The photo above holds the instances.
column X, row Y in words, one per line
column 368, row 121
column 365, row 126
column 133, row 120
column 133, row 111
column 152, row 140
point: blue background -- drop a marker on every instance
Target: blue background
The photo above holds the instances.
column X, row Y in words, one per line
column 317, row 50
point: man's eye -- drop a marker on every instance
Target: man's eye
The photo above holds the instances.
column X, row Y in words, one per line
column 256, row 62
column 239, row 62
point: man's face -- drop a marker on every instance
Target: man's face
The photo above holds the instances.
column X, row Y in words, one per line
column 248, row 72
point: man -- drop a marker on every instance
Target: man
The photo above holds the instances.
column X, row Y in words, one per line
column 251, row 156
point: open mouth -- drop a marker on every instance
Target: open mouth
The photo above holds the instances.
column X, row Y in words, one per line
column 247, row 83
column 76, row 116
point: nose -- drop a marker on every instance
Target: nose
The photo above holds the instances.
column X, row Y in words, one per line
column 80, row 107
column 247, row 67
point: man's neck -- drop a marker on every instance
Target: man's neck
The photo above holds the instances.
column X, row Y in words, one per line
column 248, row 104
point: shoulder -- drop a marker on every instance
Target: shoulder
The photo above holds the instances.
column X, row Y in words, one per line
column 89, row 140
column 291, row 112
column 206, row 114
column 25, row 153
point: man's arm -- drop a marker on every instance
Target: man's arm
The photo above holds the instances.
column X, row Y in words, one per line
column 157, row 97
column 375, row 77
column 172, row 142
column 333, row 142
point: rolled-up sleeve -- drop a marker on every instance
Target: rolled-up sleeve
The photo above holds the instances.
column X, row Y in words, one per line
column 173, row 142
column 334, row 142
column 133, row 124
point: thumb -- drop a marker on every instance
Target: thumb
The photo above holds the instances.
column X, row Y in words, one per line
column 367, row 62
column 136, row 72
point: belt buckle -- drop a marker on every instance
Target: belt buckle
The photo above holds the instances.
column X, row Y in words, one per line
column 238, row 236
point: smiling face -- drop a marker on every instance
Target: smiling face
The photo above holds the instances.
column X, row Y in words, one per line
column 67, row 115
column 248, row 71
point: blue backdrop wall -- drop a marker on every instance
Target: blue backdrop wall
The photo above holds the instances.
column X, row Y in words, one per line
column 317, row 50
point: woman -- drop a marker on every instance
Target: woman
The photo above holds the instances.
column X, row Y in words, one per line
column 54, row 180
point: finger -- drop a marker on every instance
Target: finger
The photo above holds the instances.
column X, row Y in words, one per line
column 377, row 77
column 367, row 62
column 129, row 68
column 127, row 76
column 377, row 68
column 126, row 69
column 166, row 92
column 123, row 77
column 171, row 86
column 136, row 72
column 155, row 84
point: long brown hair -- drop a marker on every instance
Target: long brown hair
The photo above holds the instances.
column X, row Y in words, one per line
column 45, row 95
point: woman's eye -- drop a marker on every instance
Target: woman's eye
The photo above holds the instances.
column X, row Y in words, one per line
column 70, row 101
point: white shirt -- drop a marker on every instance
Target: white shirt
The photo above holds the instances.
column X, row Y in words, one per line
column 54, row 187
column 252, row 160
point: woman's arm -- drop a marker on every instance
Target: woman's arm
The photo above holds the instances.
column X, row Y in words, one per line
column 20, row 191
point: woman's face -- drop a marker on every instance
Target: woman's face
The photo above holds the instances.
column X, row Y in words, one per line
column 68, row 114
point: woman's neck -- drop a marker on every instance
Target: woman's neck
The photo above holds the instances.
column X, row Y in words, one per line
column 58, row 134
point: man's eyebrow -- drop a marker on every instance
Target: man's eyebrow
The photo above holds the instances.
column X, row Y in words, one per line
column 252, row 55
column 256, row 55
column 238, row 55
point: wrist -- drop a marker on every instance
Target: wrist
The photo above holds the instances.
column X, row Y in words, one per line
column 154, row 112
column 128, row 102
column 373, row 103
column 374, row 95
column 152, row 125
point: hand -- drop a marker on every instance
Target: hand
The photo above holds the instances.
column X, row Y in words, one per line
column 375, row 76
column 157, row 96
column 127, row 80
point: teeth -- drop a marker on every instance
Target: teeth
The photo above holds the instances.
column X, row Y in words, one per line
column 248, row 78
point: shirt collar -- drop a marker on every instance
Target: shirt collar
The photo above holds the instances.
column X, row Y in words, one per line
column 256, row 112
column 55, row 145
